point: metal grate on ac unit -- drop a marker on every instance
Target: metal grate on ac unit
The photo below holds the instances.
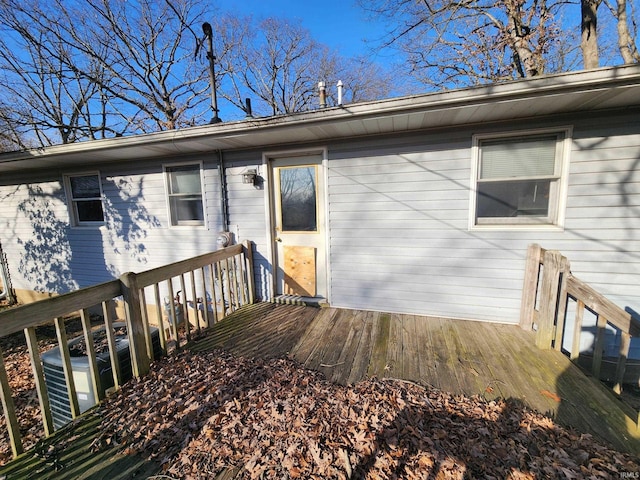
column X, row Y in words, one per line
column 87, row 398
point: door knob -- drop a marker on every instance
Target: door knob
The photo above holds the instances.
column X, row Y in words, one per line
column 278, row 239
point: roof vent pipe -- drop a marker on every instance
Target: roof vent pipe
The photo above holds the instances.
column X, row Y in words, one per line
column 323, row 94
column 340, row 86
column 247, row 108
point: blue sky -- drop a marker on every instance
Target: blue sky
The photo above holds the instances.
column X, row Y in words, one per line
column 339, row 24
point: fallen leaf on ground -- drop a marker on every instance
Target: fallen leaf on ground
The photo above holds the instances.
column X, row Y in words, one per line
column 551, row 395
column 274, row 419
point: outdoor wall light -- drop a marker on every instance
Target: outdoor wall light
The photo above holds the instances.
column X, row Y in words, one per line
column 250, row 177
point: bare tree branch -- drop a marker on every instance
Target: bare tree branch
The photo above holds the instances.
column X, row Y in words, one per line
column 100, row 68
column 279, row 65
column 626, row 43
column 454, row 43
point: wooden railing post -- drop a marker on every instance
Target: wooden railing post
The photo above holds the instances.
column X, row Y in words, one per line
column 140, row 362
column 555, row 265
column 530, row 287
column 248, row 255
column 38, row 375
column 623, row 354
column 577, row 330
column 10, row 411
column 70, row 381
column 598, row 346
column 562, row 301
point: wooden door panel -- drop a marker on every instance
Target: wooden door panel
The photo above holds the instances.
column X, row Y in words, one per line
column 300, row 271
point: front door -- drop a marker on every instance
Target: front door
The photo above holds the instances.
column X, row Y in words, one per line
column 299, row 235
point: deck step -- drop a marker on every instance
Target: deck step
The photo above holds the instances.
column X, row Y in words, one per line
column 319, row 302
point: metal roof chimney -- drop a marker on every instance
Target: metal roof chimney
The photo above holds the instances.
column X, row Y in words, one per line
column 323, row 94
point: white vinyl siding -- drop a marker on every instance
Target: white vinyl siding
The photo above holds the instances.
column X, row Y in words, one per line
column 399, row 224
column 35, row 235
column 247, row 214
column 399, row 238
column 138, row 235
column 134, row 236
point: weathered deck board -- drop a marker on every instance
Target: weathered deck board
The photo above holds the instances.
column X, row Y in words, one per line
column 486, row 378
column 316, row 342
column 378, row 360
column 362, row 353
column 394, row 365
column 445, row 376
column 462, row 357
column 500, row 363
column 536, row 384
column 459, row 361
column 311, row 339
column 259, row 330
column 411, row 349
column 473, row 358
column 74, row 459
column 327, row 358
column 345, row 361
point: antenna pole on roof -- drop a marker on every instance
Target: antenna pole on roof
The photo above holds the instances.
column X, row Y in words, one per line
column 208, row 33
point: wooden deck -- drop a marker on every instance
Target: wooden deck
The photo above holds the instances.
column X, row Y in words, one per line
column 464, row 357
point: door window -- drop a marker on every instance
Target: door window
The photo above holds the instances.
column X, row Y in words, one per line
column 298, row 199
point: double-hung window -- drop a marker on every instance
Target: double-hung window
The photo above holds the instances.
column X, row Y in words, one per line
column 519, row 179
column 184, row 190
column 85, row 197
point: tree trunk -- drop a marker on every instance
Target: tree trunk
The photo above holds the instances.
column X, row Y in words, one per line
column 526, row 62
column 626, row 43
column 589, row 41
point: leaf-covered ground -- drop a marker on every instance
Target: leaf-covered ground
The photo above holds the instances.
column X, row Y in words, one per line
column 199, row 414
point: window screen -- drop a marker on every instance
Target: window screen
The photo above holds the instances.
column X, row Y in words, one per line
column 185, row 195
column 518, row 180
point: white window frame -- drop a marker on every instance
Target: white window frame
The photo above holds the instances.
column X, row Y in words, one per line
column 72, row 202
column 185, row 223
column 559, row 183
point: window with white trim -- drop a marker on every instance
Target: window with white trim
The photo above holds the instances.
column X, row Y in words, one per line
column 184, row 190
column 85, row 197
column 518, row 179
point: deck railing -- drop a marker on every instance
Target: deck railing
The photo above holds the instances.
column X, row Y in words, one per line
column 187, row 295
column 548, row 288
column 5, row 285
